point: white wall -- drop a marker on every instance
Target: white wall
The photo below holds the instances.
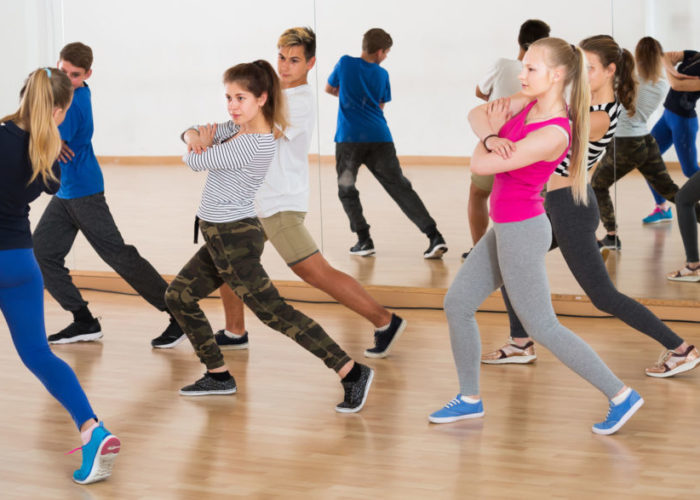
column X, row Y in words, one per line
column 158, row 63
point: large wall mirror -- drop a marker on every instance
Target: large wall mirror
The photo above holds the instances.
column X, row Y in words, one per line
column 154, row 75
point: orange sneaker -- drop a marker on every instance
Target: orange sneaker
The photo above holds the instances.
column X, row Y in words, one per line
column 671, row 363
column 511, row 353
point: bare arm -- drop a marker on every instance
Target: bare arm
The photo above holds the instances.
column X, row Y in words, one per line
column 544, row 144
column 478, row 117
column 481, row 95
column 332, row 90
column 684, row 84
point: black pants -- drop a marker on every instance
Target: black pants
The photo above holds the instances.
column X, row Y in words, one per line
column 686, row 203
column 54, row 237
column 574, row 226
column 381, row 160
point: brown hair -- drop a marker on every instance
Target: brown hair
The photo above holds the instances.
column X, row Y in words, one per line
column 376, row 39
column 609, row 52
column 78, row 54
column 299, row 36
column 648, row 55
column 44, row 90
column 260, row 78
column 558, row 52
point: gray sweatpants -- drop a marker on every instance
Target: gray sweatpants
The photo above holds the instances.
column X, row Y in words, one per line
column 54, row 237
column 513, row 254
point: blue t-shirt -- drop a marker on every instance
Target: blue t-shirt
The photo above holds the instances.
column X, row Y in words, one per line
column 15, row 191
column 82, row 175
column 363, row 86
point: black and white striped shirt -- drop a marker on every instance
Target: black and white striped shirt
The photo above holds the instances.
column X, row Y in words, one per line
column 237, row 168
column 595, row 148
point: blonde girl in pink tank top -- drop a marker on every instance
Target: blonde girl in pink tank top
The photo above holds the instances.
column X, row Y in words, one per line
column 522, row 152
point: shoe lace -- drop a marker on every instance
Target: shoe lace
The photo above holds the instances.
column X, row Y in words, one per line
column 454, row 402
column 664, row 357
column 73, row 451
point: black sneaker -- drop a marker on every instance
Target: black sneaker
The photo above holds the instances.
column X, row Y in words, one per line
column 437, row 248
column 364, row 248
column 171, row 337
column 226, row 343
column 207, row 385
column 466, row 254
column 610, row 242
column 78, row 331
column 356, row 392
column 385, row 339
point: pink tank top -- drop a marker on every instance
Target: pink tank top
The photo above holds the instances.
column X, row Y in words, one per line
column 516, row 194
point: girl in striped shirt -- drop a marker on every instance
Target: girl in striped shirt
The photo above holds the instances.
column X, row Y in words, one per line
column 236, row 156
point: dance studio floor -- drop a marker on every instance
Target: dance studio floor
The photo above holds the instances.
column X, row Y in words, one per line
column 279, row 437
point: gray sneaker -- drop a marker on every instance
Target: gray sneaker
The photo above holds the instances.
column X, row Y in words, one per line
column 356, row 392
column 207, row 385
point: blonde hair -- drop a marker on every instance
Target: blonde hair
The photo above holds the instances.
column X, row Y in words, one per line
column 561, row 53
column 259, row 77
column 305, row 37
column 44, row 90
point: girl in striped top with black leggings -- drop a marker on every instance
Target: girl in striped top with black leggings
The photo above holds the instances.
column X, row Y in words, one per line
column 237, row 155
column 574, row 224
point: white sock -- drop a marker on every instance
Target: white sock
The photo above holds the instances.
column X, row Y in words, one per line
column 470, row 400
column 232, row 335
column 87, row 434
column 383, row 328
column 620, row 398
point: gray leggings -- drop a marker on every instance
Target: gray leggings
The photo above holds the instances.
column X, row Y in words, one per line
column 513, row 254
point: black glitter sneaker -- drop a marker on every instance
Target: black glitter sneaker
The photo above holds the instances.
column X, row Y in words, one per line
column 385, row 339
column 207, row 386
column 171, row 337
column 356, row 392
column 226, row 343
column 78, row 331
column 364, row 248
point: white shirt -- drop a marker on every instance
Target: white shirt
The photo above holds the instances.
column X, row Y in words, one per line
column 502, row 79
column 286, row 186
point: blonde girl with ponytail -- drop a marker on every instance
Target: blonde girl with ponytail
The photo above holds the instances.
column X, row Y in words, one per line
column 523, row 140
column 29, row 146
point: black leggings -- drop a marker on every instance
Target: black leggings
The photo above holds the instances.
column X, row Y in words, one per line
column 574, row 227
column 686, row 199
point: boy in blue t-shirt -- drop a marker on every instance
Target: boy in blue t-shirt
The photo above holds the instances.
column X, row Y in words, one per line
column 80, row 205
column 363, row 137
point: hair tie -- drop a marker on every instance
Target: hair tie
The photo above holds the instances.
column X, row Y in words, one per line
column 48, row 72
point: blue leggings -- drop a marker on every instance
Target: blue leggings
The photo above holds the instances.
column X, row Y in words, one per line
column 22, row 304
column 679, row 131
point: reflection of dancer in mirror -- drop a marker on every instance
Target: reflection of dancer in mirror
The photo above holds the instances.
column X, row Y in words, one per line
column 634, row 147
column 686, row 204
column 363, row 137
column 522, row 152
column 80, row 205
column 282, row 202
column 678, row 126
column 30, row 144
column 501, row 80
column 574, row 224
column 236, row 156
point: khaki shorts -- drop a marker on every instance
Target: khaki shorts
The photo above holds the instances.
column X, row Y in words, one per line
column 289, row 236
column 483, row 182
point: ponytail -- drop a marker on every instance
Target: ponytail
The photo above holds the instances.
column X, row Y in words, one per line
column 625, row 82
column 580, row 118
column 259, row 77
column 44, row 90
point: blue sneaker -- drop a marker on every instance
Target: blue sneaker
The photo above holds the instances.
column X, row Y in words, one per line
column 457, row 409
column 618, row 415
column 227, row 343
column 98, row 456
column 658, row 215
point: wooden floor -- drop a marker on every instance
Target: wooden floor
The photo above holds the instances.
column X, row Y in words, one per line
column 154, row 206
column 280, row 438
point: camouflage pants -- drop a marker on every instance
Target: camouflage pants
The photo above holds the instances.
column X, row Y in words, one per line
column 641, row 153
column 231, row 255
